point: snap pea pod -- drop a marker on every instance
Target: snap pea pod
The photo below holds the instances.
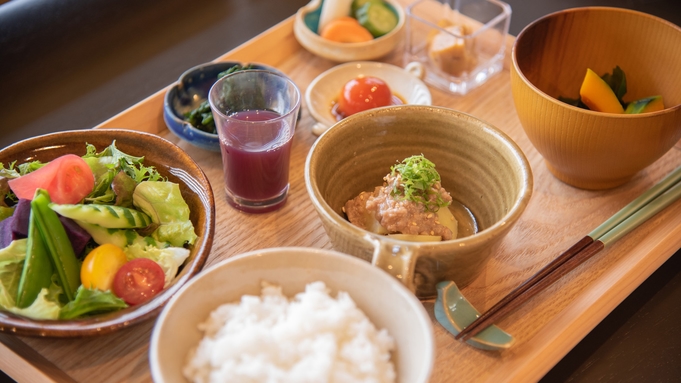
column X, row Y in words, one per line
column 56, row 243
column 37, row 271
column 111, row 217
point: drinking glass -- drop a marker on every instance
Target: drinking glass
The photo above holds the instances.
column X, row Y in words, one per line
column 459, row 44
column 255, row 114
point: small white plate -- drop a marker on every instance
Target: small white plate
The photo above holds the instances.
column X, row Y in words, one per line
column 324, row 90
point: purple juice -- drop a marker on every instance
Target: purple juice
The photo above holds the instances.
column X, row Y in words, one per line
column 256, row 156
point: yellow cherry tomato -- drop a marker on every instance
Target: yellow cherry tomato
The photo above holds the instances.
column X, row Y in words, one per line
column 100, row 267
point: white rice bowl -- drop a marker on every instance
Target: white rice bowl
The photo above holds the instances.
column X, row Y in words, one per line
column 390, row 306
column 310, row 338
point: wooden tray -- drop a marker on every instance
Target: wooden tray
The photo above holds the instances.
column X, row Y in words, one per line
column 546, row 328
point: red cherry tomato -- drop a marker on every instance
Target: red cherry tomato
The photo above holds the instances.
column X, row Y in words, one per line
column 363, row 93
column 67, row 179
column 138, row 281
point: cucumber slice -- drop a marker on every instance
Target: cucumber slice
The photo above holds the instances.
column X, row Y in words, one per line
column 357, row 4
column 378, row 18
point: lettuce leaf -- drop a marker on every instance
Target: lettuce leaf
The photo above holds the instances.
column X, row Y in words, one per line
column 109, row 162
column 41, row 308
column 170, row 259
column 163, row 202
column 89, row 302
column 11, row 263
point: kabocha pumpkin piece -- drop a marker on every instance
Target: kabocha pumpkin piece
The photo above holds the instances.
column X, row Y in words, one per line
column 597, row 94
column 645, row 105
column 346, row 30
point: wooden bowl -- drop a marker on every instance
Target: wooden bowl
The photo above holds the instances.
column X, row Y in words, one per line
column 584, row 148
column 305, row 30
column 480, row 166
column 173, row 163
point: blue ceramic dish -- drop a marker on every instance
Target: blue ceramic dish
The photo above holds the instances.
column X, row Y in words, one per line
column 454, row 313
column 188, row 93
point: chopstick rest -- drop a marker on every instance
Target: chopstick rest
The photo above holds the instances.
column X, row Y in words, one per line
column 454, row 312
column 628, row 218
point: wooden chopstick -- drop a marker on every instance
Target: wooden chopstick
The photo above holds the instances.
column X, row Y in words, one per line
column 629, row 217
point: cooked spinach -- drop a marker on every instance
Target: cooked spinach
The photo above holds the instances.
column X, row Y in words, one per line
column 202, row 118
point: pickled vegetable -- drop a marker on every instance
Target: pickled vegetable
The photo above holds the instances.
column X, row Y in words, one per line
column 377, row 18
column 597, row 94
column 606, row 94
column 346, row 30
column 645, row 105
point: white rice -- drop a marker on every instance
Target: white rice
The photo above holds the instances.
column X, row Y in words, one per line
column 310, row 338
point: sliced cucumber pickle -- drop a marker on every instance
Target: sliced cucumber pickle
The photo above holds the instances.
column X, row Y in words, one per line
column 357, row 4
column 377, row 17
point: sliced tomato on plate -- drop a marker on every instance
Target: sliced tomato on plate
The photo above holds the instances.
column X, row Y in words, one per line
column 67, row 179
column 138, row 281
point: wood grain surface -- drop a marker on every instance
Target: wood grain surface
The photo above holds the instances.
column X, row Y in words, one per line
column 546, row 328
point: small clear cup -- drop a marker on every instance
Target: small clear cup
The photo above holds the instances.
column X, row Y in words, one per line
column 255, row 114
column 458, row 44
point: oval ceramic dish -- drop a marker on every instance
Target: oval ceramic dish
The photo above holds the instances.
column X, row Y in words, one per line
column 454, row 313
column 188, row 93
column 305, row 30
column 173, row 163
column 324, row 90
column 387, row 303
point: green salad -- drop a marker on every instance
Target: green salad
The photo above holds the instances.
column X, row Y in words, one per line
column 80, row 236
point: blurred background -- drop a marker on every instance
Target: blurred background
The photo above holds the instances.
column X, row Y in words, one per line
column 71, row 64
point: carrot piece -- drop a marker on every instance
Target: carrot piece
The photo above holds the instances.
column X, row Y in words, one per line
column 346, row 30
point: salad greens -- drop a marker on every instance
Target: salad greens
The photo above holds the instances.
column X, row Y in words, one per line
column 163, row 202
column 418, row 178
column 131, row 206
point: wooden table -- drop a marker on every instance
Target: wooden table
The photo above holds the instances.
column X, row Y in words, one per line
column 546, row 328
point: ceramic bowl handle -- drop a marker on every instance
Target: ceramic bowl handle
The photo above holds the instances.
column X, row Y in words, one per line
column 397, row 260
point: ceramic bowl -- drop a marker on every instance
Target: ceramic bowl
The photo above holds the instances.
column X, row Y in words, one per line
column 305, row 29
column 188, row 93
column 389, row 305
column 584, row 148
column 480, row 166
column 170, row 161
column 324, row 90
